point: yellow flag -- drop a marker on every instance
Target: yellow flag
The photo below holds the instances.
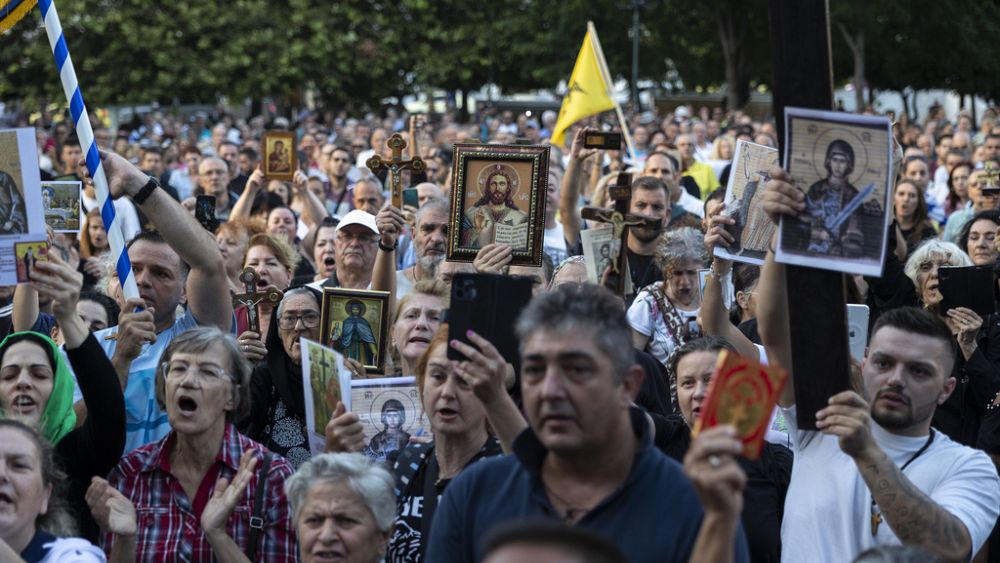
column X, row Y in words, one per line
column 588, row 90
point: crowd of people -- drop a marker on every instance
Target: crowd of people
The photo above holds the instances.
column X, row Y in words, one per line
column 165, row 428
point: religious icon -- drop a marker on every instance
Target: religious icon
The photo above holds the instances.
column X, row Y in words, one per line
column 279, row 159
column 499, row 197
column 354, row 323
column 19, row 180
column 742, row 393
column 847, row 182
column 753, row 229
column 323, row 381
column 61, row 206
column 26, row 254
column 391, row 413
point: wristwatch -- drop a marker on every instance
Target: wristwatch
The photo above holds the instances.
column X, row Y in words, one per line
column 384, row 248
column 146, row 190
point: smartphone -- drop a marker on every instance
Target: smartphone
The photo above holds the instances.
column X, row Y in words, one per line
column 411, row 198
column 204, row 211
column 969, row 286
column 603, row 140
column 857, row 330
column 489, row 305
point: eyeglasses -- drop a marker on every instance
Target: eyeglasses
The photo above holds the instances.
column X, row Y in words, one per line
column 204, row 372
column 360, row 237
column 288, row 321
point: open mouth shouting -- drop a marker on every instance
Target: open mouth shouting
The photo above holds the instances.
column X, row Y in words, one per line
column 23, row 405
column 187, row 406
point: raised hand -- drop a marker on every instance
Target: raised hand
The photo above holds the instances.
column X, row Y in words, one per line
column 344, row 432
column 252, row 346
column 848, row 417
column 493, row 259
column 53, row 278
column 576, row 150
column 113, row 512
column 135, row 328
column 256, row 180
column 123, row 176
column 225, row 495
column 716, row 233
column 781, row 197
column 965, row 325
column 390, row 223
column 710, row 464
column 484, row 368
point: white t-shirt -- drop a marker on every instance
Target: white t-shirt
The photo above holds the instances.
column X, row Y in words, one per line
column 555, row 244
column 645, row 317
column 691, row 204
column 828, row 506
column 124, row 212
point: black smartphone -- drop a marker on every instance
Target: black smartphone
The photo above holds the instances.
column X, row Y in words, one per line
column 488, row 305
column 602, row 140
column 969, row 286
column 204, row 212
column 411, row 198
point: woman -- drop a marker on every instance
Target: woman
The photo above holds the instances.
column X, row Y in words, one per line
column 33, row 484
column 418, row 316
column 910, row 210
column 343, row 508
column 274, row 261
column 93, row 246
column 202, row 382
column 663, row 314
column 459, row 398
column 36, row 386
column 979, row 238
column 722, row 149
column 691, row 369
column 232, row 238
column 958, row 187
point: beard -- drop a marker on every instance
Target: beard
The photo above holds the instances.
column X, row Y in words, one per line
column 429, row 262
column 900, row 419
column 645, row 235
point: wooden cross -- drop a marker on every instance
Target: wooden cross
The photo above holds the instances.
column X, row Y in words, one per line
column 395, row 166
column 621, row 221
column 992, row 176
column 251, row 297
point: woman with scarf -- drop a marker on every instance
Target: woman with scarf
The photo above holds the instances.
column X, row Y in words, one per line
column 36, row 386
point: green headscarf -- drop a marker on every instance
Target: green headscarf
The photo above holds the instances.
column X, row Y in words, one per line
column 58, row 417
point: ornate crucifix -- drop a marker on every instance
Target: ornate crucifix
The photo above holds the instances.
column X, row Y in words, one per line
column 251, row 297
column 621, row 221
column 992, row 176
column 395, row 166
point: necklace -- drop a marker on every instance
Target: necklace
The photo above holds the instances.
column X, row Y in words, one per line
column 876, row 513
column 572, row 514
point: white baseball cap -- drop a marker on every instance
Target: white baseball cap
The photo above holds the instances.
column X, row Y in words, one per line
column 358, row 217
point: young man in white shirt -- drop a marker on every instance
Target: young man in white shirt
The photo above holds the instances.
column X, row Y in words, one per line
column 875, row 472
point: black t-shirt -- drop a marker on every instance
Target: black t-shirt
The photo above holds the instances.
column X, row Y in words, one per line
column 654, row 394
column 764, row 495
column 644, row 272
column 411, row 469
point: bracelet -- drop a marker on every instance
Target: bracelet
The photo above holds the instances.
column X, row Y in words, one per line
column 143, row 194
column 388, row 248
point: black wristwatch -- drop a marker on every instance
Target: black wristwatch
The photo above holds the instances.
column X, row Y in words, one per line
column 146, row 190
column 388, row 248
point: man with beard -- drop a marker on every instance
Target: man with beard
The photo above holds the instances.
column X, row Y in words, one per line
column 496, row 207
column 336, row 164
column 430, row 242
column 875, row 472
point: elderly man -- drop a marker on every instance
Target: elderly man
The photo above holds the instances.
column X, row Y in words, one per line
column 430, row 243
column 368, row 196
column 213, row 180
column 181, row 264
column 578, row 381
column 345, row 251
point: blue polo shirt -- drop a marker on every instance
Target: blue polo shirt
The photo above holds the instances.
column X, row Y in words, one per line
column 653, row 517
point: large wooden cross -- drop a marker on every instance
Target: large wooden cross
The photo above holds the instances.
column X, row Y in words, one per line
column 621, row 221
column 817, row 311
column 251, row 298
column 395, row 166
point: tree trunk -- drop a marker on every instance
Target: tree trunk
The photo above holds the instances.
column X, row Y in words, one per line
column 733, row 25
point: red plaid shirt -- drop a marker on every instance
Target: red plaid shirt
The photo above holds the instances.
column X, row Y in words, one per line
column 169, row 529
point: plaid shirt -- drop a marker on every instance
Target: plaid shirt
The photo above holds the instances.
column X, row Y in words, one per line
column 168, row 529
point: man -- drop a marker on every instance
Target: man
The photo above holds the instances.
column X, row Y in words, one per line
column 822, row 230
column 179, row 265
column 703, row 145
column 992, row 147
column 213, row 180
column 430, row 244
column 345, row 252
column 586, row 459
column 983, row 198
column 664, row 167
column 336, row 163
column 875, row 472
column 368, row 196
column 248, row 160
column 70, row 154
column 152, row 164
column 702, row 173
column 426, row 191
column 494, row 211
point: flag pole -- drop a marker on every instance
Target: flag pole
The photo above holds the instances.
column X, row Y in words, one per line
column 113, row 225
column 603, row 66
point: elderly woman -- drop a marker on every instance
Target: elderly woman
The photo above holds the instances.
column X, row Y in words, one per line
column 274, row 261
column 459, row 398
column 418, row 316
column 192, row 494
column 663, row 315
column 36, row 386
column 343, row 508
column 33, row 484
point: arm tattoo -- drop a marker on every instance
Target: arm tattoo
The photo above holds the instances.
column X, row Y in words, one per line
column 913, row 516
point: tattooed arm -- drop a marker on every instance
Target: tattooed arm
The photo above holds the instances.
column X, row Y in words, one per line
column 913, row 516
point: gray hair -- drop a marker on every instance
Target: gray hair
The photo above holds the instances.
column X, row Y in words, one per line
column 369, row 480
column 686, row 243
column 432, row 204
column 302, row 290
column 579, row 308
column 197, row 340
column 929, row 248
